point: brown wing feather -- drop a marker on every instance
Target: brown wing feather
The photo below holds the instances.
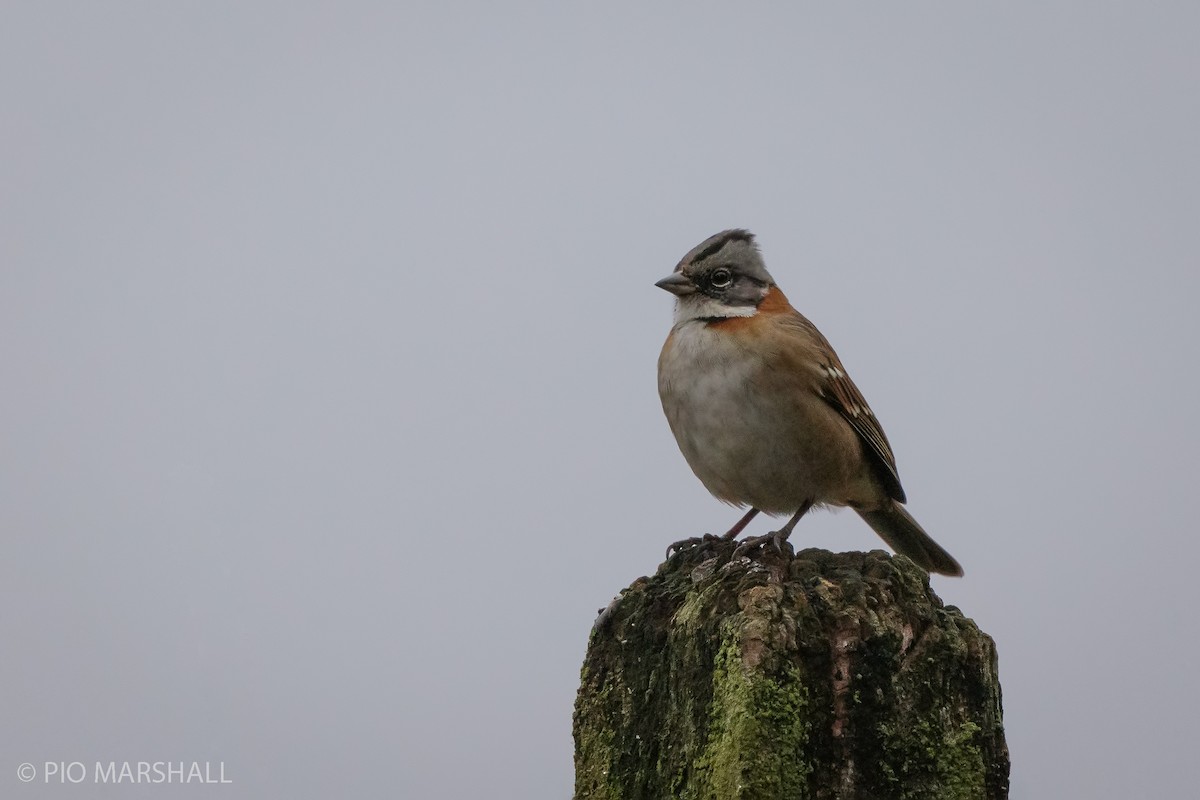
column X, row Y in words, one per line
column 841, row 393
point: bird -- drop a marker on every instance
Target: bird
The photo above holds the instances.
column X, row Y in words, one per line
column 765, row 413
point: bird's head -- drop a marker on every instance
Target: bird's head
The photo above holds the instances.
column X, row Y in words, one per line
column 723, row 276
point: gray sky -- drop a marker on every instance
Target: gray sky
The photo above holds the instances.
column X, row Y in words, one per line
column 328, row 339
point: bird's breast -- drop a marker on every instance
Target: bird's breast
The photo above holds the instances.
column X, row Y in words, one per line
column 743, row 424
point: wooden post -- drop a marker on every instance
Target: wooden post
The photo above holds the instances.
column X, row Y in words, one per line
column 818, row 675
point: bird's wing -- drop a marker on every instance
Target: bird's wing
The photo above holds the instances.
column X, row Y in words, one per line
column 840, row 392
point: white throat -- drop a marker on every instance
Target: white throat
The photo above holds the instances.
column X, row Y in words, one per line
column 701, row 306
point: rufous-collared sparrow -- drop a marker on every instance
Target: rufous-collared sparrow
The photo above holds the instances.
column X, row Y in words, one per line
column 763, row 409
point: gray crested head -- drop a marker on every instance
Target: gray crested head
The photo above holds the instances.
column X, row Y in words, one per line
column 723, row 276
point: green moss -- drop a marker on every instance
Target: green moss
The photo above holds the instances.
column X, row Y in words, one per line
column 926, row 761
column 697, row 605
column 758, row 733
column 960, row 764
column 595, row 748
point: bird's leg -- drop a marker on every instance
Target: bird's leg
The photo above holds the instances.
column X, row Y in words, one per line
column 775, row 537
column 694, row 541
column 741, row 524
column 780, row 536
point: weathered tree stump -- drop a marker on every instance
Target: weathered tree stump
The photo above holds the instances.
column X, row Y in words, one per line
column 821, row 675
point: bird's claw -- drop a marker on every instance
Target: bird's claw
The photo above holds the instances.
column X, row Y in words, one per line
column 691, row 541
column 777, row 538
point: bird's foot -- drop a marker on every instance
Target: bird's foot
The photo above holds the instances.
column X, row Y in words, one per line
column 777, row 538
column 693, row 541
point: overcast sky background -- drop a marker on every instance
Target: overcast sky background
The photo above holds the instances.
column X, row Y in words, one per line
column 328, row 339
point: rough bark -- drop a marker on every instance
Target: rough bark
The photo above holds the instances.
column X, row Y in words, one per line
column 815, row 676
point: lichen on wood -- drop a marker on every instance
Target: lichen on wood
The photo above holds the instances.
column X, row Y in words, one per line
column 817, row 675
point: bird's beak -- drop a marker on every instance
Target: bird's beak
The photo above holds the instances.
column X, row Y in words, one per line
column 677, row 284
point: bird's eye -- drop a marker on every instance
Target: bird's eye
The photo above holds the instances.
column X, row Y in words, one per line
column 721, row 278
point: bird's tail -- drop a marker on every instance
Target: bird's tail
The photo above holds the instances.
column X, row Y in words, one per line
column 902, row 533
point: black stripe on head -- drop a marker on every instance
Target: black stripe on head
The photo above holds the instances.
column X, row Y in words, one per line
column 727, row 268
column 735, row 249
column 713, row 244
